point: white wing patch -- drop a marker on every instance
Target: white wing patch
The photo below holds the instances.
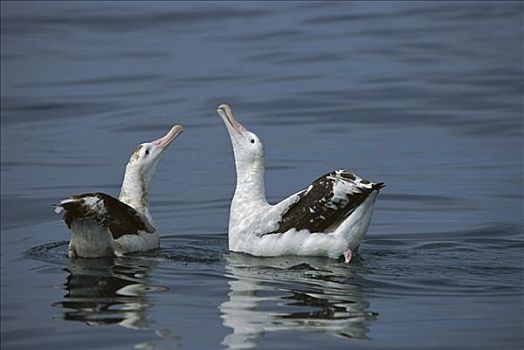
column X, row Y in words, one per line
column 106, row 211
column 325, row 203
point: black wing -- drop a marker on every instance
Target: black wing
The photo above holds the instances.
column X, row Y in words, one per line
column 328, row 200
column 118, row 217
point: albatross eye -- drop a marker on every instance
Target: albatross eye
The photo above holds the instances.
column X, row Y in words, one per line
column 252, row 141
column 147, row 152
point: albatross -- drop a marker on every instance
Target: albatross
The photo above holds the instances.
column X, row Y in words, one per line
column 102, row 225
column 328, row 218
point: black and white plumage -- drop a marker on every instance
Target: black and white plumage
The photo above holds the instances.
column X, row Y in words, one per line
column 102, row 225
column 320, row 209
column 105, row 210
column 329, row 218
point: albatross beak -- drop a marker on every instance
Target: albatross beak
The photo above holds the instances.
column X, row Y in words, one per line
column 170, row 136
column 224, row 111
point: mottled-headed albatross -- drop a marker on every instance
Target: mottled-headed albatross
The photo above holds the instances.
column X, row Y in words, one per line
column 102, row 225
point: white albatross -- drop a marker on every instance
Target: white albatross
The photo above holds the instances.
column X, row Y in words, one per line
column 329, row 218
column 102, row 225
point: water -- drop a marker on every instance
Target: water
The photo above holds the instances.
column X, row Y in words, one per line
column 424, row 96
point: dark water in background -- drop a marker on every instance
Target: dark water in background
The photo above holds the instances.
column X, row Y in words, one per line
column 426, row 97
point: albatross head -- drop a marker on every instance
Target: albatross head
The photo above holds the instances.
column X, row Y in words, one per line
column 146, row 156
column 141, row 168
column 247, row 147
column 249, row 159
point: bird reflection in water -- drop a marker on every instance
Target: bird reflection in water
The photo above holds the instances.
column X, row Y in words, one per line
column 108, row 291
column 291, row 293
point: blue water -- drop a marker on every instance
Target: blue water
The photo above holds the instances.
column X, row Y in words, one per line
column 425, row 96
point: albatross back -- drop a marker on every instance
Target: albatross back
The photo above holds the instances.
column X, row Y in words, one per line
column 327, row 202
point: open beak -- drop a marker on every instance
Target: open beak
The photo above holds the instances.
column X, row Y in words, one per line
column 224, row 111
column 170, row 136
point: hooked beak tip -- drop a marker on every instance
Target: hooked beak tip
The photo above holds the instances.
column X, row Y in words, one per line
column 224, row 111
column 165, row 141
column 224, row 108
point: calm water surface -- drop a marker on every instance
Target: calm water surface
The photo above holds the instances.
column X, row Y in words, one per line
column 424, row 96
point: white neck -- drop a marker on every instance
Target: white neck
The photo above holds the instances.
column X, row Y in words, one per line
column 135, row 192
column 250, row 182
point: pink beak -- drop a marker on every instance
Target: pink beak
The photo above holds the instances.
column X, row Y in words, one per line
column 169, row 137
